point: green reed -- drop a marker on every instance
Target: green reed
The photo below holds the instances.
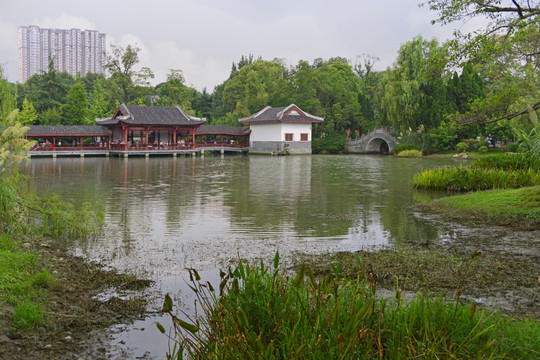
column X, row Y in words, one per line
column 471, row 179
column 502, row 171
column 260, row 313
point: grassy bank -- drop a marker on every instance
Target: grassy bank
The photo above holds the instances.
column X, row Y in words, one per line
column 48, row 304
column 260, row 313
column 23, row 285
column 518, row 208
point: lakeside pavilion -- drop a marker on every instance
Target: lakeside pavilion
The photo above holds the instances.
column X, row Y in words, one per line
column 140, row 129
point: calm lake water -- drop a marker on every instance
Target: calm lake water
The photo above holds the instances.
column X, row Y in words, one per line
column 165, row 214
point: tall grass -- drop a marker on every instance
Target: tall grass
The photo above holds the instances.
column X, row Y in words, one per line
column 508, row 162
column 260, row 313
column 502, row 171
column 21, row 285
column 471, row 179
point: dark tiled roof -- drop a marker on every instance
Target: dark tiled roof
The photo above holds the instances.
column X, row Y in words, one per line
column 270, row 114
column 69, row 130
column 221, row 129
column 154, row 115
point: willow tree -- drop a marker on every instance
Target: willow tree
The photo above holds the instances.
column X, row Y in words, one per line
column 414, row 77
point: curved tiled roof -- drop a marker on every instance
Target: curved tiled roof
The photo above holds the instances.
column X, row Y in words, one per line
column 291, row 113
column 151, row 115
column 222, row 129
column 67, row 130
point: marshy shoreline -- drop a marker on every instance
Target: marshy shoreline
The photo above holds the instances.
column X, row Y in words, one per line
column 75, row 320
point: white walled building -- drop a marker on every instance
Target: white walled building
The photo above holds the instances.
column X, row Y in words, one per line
column 74, row 51
column 274, row 129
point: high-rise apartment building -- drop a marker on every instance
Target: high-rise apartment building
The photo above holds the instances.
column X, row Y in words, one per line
column 74, row 51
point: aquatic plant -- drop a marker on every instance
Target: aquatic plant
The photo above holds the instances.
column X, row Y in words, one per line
column 261, row 313
column 501, row 171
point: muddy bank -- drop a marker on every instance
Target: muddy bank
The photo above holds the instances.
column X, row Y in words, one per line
column 503, row 282
column 75, row 316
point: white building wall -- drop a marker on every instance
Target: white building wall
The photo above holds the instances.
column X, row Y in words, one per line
column 277, row 131
column 266, row 132
column 296, row 129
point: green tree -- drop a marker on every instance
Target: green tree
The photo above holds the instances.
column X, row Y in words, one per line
column 306, row 83
column 99, row 107
column 255, row 86
column 7, row 98
column 407, row 84
column 28, row 115
column 507, row 47
column 51, row 116
column 75, row 110
column 174, row 91
column 46, row 90
column 121, row 65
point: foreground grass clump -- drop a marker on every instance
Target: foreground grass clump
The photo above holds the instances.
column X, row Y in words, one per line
column 516, row 207
column 22, row 284
column 258, row 313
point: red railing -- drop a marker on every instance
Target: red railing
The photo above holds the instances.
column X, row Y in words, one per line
column 141, row 147
column 69, row 148
column 186, row 146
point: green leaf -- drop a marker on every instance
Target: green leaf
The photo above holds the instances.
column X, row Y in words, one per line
column 167, row 304
column 189, row 327
column 299, row 278
column 160, row 328
column 276, row 260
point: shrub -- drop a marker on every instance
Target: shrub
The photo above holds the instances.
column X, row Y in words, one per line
column 462, row 147
column 330, row 144
column 401, row 147
column 409, row 153
column 483, row 149
column 481, row 143
column 512, row 147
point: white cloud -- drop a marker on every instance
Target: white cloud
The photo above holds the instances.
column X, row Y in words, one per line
column 66, row 21
column 8, row 50
column 203, row 37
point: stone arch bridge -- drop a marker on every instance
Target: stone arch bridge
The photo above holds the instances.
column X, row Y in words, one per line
column 372, row 141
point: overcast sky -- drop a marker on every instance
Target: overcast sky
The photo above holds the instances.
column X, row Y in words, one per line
column 202, row 38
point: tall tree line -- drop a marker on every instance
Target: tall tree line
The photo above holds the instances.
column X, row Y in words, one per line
column 434, row 94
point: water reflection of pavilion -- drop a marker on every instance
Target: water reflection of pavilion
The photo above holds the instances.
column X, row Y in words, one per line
column 139, row 130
